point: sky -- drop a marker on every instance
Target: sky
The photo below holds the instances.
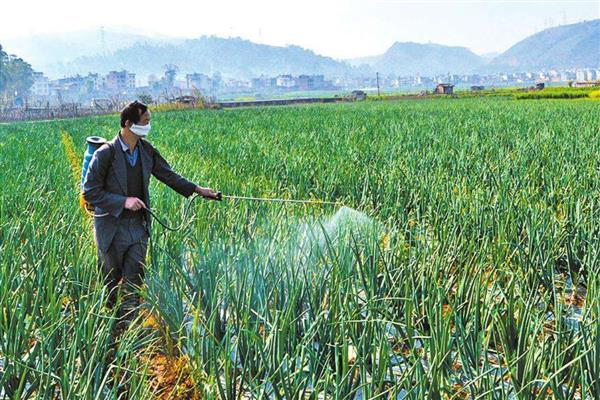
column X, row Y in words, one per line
column 335, row 28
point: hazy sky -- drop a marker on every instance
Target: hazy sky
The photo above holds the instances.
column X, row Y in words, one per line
column 337, row 28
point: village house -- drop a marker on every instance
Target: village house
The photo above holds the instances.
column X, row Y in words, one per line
column 286, row 81
column 444, row 88
column 198, row 81
column 41, row 85
column 117, row 81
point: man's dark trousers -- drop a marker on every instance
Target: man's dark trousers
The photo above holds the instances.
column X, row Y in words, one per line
column 125, row 260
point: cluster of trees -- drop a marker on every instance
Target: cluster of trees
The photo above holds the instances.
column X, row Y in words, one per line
column 16, row 76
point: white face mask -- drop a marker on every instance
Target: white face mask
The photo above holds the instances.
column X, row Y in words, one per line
column 140, row 130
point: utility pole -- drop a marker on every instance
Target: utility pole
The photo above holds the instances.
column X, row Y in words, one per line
column 378, row 93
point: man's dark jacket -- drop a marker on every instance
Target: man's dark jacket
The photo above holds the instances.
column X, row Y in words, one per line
column 105, row 185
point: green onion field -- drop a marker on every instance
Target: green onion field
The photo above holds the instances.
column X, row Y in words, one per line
column 464, row 263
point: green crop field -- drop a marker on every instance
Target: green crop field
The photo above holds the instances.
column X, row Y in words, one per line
column 464, row 263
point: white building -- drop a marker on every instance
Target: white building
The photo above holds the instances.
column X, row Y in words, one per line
column 98, row 81
column 130, row 80
column 198, row 81
column 41, row 85
column 120, row 80
column 238, row 84
column 286, row 81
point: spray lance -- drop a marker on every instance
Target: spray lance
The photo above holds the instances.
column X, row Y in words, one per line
column 94, row 142
column 221, row 196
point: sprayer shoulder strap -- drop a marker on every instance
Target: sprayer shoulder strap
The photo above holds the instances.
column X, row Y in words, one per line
column 111, row 146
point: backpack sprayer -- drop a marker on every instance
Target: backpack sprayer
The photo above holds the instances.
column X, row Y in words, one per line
column 94, row 142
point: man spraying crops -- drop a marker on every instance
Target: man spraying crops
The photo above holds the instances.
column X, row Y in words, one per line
column 116, row 184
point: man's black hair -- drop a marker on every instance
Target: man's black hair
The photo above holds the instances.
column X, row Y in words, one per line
column 133, row 112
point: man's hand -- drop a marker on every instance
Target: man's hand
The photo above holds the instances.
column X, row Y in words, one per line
column 134, row 204
column 207, row 193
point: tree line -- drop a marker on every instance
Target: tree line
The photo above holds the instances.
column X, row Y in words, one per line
column 16, row 77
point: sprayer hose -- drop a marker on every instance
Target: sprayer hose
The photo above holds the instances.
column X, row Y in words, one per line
column 164, row 225
column 185, row 215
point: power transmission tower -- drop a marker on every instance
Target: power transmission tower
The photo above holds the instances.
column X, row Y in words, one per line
column 102, row 41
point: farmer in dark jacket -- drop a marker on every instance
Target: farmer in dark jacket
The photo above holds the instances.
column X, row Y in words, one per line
column 117, row 185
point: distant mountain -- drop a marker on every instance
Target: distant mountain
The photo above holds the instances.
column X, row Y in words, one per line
column 567, row 46
column 232, row 57
column 363, row 61
column 48, row 51
column 58, row 55
column 487, row 57
column 408, row 58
